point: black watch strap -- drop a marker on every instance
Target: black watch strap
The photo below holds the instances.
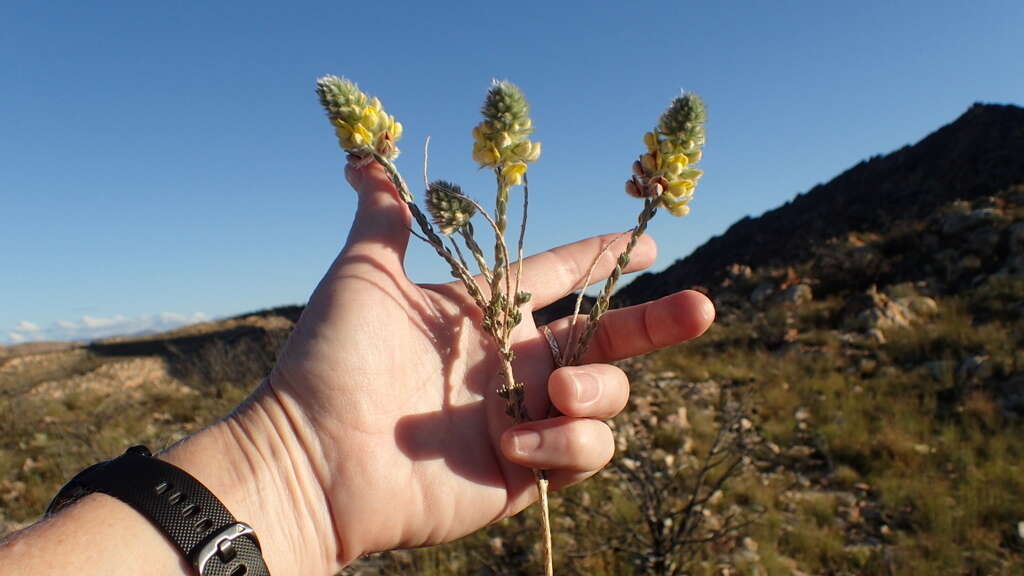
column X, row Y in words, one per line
column 193, row 518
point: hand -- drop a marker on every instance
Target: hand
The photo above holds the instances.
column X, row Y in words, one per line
column 390, row 387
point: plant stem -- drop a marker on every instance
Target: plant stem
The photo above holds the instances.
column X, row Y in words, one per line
column 458, row 270
column 474, row 249
column 604, row 299
column 545, row 520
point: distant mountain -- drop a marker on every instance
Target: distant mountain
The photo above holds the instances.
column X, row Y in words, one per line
column 978, row 155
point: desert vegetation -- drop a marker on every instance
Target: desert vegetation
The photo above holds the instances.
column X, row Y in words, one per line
column 865, row 426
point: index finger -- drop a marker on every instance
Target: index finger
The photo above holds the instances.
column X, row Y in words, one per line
column 643, row 328
column 559, row 271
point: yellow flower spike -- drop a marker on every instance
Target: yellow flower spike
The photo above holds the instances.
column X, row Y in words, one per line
column 665, row 147
column 360, row 120
column 396, row 130
column 673, row 169
column 695, row 156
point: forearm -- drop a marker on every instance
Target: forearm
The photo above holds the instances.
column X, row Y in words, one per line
column 251, row 461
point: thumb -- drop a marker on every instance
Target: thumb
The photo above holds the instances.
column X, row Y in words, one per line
column 381, row 228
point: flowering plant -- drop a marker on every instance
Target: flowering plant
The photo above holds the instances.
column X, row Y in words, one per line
column 663, row 176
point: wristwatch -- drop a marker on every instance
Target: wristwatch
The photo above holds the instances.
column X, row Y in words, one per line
column 202, row 528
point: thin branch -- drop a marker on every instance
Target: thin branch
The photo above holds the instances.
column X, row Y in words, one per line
column 426, row 158
column 569, row 342
column 522, row 237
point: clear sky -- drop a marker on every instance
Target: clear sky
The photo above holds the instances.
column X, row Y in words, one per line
column 168, row 161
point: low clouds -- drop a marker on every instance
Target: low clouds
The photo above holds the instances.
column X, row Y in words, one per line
column 93, row 327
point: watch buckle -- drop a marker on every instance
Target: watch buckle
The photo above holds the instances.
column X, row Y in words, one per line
column 221, row 546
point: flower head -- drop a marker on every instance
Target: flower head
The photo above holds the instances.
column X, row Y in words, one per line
column 360, row 121
column 501, row 140
column 449, row 210
column 666, row 171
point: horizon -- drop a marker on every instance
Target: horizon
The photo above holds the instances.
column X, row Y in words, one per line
column 156, row 200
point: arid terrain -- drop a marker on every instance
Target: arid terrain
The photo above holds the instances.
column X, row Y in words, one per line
column 856, row 409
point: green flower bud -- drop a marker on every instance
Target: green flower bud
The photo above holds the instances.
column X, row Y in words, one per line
column 341, row 98
column 507, row 111
column 683, row 122
column 503, row 135
column 449, row 211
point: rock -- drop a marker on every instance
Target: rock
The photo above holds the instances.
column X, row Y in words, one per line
column 874, row 310
column 920, row 305
column 922, row 449
column 1020, row 530
column 800, row 452
column 802, row 414
column 750, row 544
column 797, row 294
column 958, row 223
column 739, row 271
column 761, row 293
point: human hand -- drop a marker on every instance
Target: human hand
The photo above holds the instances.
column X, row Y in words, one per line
column 389, row 388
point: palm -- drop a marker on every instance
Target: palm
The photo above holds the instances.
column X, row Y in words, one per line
column 400, row 382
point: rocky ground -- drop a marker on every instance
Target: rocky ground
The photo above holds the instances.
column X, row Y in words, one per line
column 855, row 412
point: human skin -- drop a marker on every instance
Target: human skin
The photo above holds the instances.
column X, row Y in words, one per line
column 380, row 426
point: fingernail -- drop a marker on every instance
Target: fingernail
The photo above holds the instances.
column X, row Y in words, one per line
column 707, row 310
column 588, row 387
column 525, row 441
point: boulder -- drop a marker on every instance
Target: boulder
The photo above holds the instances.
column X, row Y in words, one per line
column 958, row 223
column 874, row 310
column 922, row 306
column 797, row 294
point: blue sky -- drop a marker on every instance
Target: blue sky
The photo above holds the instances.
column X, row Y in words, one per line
column 167, row 162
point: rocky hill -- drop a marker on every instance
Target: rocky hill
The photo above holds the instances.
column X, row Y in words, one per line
column 978, row 155
column 858, row 407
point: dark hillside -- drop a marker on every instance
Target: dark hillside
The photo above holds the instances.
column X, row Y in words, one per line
column 978, row 155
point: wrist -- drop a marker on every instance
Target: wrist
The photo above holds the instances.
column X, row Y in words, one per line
column 255, row 464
